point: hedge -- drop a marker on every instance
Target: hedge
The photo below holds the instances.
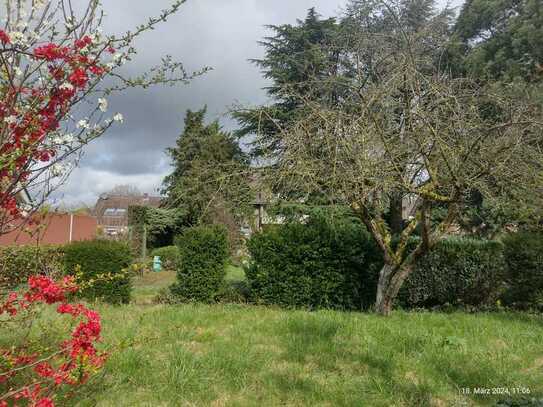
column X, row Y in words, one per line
column 17, row 263
column 524, row 257
column 101, row 267
column 203, row 252
column 458, row 271
column 324, row 263
column 168, row 256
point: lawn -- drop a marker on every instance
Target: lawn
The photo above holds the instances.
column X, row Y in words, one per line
column 235, row 355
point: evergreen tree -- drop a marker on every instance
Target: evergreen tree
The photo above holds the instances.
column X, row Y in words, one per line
column 209, row 174
column 501, row 39
column 302, row 62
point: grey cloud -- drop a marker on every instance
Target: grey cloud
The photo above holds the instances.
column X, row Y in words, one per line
column 222, row 34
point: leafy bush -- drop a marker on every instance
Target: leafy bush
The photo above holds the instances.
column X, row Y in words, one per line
column 203, row 252
column 458, row 271
column 101, row 267
column 168, row 255
column 320, row 264
column 38, row 361
column 18, row 263
column 524, row 258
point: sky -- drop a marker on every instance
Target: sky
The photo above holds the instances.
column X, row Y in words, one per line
column 221, row 34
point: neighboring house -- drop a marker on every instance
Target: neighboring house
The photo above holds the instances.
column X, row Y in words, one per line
column 52, row 229
column 111, row 211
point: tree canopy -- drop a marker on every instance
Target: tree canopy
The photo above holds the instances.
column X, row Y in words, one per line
column 501, row 39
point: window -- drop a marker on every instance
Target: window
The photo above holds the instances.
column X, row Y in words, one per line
column 114, row 212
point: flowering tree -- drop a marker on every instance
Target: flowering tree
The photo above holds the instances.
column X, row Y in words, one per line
column 57, row 69
column 32, row 373
column 54, row 64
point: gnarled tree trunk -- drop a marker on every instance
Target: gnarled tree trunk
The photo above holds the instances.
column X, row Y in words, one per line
column 391, row 279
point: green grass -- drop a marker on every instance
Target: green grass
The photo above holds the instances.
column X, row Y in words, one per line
column 233, row 355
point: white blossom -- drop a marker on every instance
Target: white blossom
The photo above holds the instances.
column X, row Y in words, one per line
column 57, row 170
column 18, row 38
column 68, row 138
column 102, row 104
column 118, row 118
column 10, row 119
column 66, row 86
column 83, row 124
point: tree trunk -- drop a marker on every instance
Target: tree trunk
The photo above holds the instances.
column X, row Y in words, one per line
column 383, row 302
column 391, row 279
column 396, row 214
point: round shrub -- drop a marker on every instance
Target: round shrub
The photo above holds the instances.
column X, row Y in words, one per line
column 168, row 255
column 17, row 263
column 524, row 258
column 458, row 271
column 323, row 263
column 101, row 267
column 203, row 252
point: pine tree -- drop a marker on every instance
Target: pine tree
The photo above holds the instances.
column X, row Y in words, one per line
column 302, row 63
column 209, row 173
column 500, row 39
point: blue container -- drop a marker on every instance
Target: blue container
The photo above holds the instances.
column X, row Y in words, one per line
column 157, row 264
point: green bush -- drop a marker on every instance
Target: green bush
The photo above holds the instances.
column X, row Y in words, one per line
column 321, row 264
column 234, row 291
column 101, row 265
column 524, row 258
column 203, row 252
column 17, row 263
column 458, row 271
column 168, row 255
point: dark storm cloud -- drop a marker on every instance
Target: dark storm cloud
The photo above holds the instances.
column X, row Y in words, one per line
column 221, row 34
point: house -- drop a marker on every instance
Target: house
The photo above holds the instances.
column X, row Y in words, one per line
column 52, row 228
column 111, row 211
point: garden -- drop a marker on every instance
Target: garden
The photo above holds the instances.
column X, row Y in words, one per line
column 370, row 237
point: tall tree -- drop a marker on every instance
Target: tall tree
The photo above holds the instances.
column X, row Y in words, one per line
column 302, row 62
column 501, row 39
column 418, row 132
column 209, row 178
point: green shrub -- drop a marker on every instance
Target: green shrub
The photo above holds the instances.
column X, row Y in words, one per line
column 168, row 255
column 458, row 271
column 203, row 252
column 234, row 291
column 524, row 258
column 17, row 263
column 101, row 264
column 321, row 264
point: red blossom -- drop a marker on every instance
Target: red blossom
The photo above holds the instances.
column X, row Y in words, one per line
column 79, row 78
column 97, row 70
column 45, row 402
column 83, row 42
column 78, row 353
column 4, row 38
column 51, row 52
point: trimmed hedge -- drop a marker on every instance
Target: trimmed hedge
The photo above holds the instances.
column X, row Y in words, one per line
column 458, row 271
column 320, row 264
column 168, row 255
column 524, row 257
column 102, row 265
column 203, row 252
column 17, row 263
